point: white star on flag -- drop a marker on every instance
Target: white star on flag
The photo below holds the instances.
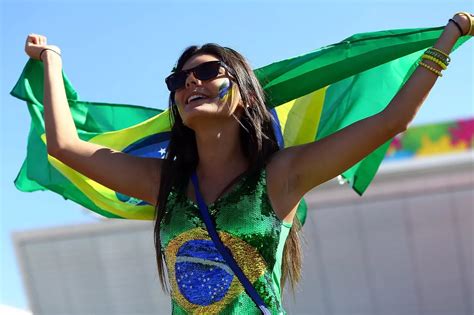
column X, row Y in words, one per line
column 162, row 151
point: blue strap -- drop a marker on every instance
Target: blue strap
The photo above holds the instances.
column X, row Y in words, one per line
column 224, row 251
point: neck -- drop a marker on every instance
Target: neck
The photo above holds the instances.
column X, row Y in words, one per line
column 220, row 152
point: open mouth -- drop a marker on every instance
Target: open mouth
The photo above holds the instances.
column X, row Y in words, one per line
column 196, row 98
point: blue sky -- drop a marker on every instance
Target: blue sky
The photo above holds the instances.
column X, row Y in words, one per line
column 120, row 52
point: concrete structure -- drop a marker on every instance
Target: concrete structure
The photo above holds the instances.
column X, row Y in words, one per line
column 406, row 247
column 10, row 310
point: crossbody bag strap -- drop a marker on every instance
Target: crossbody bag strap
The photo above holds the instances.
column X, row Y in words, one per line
column 224, row 251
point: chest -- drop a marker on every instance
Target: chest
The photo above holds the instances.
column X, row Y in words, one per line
column 243, row 212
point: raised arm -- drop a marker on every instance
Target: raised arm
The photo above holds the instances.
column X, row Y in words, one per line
column 311, row 164
column 133, row 176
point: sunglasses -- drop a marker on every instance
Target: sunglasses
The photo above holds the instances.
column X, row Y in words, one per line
column 205, row 71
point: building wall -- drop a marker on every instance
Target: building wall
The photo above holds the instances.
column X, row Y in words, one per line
column 104, row 268
column 406, row 247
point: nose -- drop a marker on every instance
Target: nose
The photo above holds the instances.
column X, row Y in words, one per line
column 191, row 79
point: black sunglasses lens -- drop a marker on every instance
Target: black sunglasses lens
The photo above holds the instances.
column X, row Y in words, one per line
column 176, row 81
column 207, row 70
column 204, row 71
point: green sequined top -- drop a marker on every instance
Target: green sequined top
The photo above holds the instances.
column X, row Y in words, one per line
column 201, row 281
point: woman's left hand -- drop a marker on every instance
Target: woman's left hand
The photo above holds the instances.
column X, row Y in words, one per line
column 466, row 21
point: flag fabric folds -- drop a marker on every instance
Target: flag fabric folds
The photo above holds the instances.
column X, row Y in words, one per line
column 310, row 96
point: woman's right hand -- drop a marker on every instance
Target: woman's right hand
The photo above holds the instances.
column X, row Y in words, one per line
column 35, row 44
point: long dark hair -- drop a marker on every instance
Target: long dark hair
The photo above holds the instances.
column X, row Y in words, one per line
column 257, row 140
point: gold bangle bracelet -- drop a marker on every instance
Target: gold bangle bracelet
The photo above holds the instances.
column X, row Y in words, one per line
column 471, row 21
column 437, row 72
column 435, row 60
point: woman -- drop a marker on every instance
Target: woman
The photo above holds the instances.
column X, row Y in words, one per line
column 223, row 132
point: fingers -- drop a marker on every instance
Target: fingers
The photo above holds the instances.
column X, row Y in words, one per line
column 30, row 40
column 33, row 39
column 36, row 43
column 36, row 39
column 42, row 40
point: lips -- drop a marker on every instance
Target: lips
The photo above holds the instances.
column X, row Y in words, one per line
column 194, row 97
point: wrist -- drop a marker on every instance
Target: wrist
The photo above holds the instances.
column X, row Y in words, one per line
column 48, row 56
column 452, row 31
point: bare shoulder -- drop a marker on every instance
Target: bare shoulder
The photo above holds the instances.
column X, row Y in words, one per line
column 283, row 198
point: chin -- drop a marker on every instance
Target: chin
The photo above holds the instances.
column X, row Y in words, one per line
column 200, row 116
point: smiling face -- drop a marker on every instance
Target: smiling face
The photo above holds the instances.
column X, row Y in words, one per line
column 203, row 99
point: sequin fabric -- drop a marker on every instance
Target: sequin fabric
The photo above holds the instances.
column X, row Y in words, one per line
column 201, row 281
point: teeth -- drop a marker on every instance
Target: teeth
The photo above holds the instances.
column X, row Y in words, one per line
column 196, row 96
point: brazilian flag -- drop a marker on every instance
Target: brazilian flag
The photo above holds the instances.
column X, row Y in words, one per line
column 310, row 96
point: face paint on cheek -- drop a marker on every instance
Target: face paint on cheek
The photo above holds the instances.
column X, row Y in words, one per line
column 225, row 91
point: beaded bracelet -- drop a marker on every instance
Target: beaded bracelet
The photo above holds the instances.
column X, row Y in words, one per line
column 437, row 72
column 441, row 52
column 438, row 56
column 439, row 62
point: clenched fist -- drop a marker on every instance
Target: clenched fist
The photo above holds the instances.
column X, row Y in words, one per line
column 35, row 44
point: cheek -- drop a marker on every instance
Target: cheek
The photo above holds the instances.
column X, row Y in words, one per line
column 178, row 101
column 176, row 98
column 225, row 90
column 229, row 94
